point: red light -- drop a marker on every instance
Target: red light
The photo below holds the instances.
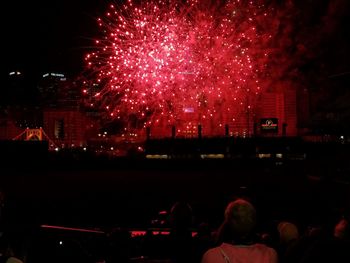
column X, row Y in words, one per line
column 166, row 56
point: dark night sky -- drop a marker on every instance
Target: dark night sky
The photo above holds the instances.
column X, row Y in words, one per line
column 41, row 36
column 51, row 35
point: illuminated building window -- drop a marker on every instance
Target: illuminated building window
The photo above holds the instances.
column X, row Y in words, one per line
column 59, row 129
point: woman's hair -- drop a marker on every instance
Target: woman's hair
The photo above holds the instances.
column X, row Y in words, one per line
column 239, row 223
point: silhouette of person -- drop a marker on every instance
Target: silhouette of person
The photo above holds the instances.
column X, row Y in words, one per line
column 237, row 238
column 180, row 234
column 288, row 241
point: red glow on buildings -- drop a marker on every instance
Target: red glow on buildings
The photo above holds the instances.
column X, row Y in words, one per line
column 67, row 128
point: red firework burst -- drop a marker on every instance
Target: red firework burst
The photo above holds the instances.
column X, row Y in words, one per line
column 165, row 63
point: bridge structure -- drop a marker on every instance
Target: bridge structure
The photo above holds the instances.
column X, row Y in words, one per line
column 37, row 134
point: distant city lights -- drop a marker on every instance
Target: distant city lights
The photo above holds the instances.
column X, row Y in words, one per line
column 15, row 73
column 60, row 75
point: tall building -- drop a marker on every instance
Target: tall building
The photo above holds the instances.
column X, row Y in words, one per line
column 64, row 121
column 66, row 127
column 50, row 86
column 56, row 91
column 18, row 105
column 15, row 88
column 279, row 110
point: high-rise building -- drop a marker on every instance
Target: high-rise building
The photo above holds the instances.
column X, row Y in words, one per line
column 66, row 127
column 53, row 90
column 15, row 88
column 66, row 122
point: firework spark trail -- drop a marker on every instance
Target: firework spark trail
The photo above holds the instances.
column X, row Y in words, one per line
column 158, row 58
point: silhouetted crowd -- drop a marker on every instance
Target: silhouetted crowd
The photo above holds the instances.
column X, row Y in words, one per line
column 236, row 240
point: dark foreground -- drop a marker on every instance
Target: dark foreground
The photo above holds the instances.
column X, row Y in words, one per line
column 129, row 193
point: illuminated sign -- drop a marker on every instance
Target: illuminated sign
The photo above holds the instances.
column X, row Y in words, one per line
column 53, row 75
column 269, row 125
column 189, row 110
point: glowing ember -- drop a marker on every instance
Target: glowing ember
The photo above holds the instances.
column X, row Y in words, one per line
column 164, row 63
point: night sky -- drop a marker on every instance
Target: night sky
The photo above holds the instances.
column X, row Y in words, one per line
column 48, row 36
column 55, row 35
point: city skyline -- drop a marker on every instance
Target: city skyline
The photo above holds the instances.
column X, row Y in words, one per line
column 55, row 36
